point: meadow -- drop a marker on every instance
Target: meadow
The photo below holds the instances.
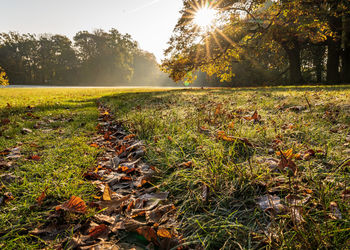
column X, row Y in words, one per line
column 247, row 168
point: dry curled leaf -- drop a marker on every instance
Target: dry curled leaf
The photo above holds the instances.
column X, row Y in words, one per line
column 148, row 232
column 41, row 198
column 98, row 231
column 75, row 205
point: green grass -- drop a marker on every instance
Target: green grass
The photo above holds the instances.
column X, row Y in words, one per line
column 170, row 122
column 62, row 128
column 236, row 175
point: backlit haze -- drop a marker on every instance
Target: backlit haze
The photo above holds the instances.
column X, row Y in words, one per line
column 149, row 22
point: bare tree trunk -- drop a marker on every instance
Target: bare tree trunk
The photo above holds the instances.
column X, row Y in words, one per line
column 333, row 75
column 293, row 52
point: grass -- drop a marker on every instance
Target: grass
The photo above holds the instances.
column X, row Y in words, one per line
column 217, row 193
column 182, row 125
column 62, row 124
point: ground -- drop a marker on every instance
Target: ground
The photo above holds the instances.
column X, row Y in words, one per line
column 246, row 168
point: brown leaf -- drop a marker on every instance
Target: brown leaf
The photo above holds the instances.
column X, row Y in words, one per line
column 5, row 121
column 107, row 136
column 75, row 205
column 91, row 176
column 107, row 193
column 149, row 233
column 162, row 232
column 205, row 191
column 98, row 231
column 41, row 198
column 34, row 157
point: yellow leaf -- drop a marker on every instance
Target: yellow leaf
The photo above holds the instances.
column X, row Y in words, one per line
column 107, row 193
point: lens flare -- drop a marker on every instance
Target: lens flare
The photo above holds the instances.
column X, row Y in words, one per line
column 205, row 17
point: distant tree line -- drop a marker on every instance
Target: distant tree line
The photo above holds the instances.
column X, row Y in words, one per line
column 95, row 58
column 257, row 42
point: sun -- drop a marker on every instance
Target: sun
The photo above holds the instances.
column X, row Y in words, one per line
column 204, row 17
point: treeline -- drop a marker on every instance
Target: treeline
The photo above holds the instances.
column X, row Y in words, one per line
column 263, row 43
column 93, row 58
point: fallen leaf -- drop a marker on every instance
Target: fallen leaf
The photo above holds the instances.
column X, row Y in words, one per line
column 107, row 193
column 34, row 157
column 128, row 137
column 5, row 121
column 271, row 202
column 162, row 232
column 98, row 231
column 335, row 212
column 41, row 198
column 149, row 233
column 75, row 204
column 218, row 109
column 94, row 145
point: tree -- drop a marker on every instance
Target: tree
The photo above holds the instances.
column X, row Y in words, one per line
column 255, row 30
column 3, row 78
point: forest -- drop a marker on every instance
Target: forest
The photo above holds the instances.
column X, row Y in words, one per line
column 97, row 58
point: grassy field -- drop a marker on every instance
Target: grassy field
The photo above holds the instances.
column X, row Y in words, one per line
column 278, row 178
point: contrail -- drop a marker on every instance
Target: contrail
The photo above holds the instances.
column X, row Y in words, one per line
column 143, row 6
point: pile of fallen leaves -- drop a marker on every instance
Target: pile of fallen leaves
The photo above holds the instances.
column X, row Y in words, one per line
column 129, row 213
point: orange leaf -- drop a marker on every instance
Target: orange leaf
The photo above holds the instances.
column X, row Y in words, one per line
column 162, row 232
column 128, row 137
column 148, row 232
column 106, row 113
column 218, row 109
column 123, row 168
column 231, row 125
column 130, row 206
column 35, row 157
column 107, row 193
column 75, row 204
column 97, row 231
column 94, row 145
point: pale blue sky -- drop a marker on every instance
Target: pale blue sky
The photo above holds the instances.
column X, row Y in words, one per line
column 150, row 22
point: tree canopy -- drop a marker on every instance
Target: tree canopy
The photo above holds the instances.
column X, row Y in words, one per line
column 298, row 41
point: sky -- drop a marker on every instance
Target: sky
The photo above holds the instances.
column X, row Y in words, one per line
column 149, row 22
